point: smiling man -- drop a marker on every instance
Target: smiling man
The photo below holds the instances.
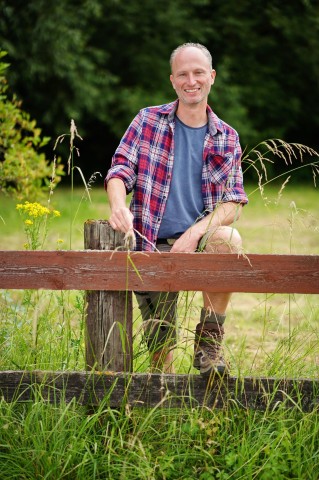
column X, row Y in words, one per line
column 192, row 77
column 183, row 165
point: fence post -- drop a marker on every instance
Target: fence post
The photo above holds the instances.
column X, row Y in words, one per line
column 108, row 342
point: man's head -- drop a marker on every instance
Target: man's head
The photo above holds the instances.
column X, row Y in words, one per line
column 192, row 73
column 201, row 47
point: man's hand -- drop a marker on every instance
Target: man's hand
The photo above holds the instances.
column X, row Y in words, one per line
column 187, row 242
column 225, row 214
column 121, row 219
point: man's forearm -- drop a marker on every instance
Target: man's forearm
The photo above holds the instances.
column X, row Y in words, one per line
column 225, row 214
column 121, row 218
column 116, row 193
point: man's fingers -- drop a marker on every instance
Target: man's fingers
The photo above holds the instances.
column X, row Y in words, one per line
column 122, row 220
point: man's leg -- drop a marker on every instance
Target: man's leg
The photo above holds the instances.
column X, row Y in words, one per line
column 210, row 330
column 222, row 240
column 158, row 311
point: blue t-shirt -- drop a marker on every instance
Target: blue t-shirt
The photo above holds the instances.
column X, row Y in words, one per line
column 185, row 201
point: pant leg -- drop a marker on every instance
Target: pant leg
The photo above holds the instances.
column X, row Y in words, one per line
column 159, row 311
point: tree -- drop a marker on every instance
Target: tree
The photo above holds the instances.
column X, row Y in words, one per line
column 24, row 171
column 100, row 61
column 97, row 62
column 268, row 61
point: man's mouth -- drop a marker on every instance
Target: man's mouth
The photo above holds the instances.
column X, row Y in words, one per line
column 191, row 90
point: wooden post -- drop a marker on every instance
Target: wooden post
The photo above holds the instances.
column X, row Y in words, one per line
column 109, row 313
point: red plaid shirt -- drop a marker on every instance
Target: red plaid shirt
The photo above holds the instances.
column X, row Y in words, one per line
column 144, row 162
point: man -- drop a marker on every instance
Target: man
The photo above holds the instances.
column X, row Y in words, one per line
column 183, row 165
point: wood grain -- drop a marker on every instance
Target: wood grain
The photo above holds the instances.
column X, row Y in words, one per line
column 145, row 390
column 108, row 332
column 116, row 270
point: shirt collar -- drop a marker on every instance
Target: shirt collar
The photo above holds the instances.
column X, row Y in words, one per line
column 214, row 123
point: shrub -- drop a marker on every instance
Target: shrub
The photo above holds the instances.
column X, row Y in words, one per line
column 24, row 171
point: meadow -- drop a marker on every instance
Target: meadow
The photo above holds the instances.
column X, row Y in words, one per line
column 266, row 335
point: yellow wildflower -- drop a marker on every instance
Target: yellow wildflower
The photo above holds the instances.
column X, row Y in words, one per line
column 28, row 222
column 36, row 210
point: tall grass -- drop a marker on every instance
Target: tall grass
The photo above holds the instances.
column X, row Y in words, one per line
column 267, row 335
column 257, row 325
column 63, row 441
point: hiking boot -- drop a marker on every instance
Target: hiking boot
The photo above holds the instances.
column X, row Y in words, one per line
column 208, row 356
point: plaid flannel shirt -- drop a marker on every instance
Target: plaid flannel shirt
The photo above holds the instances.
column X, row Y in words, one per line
column 144, row 162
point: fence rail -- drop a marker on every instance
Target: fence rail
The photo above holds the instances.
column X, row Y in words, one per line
column 145, row 390
column 115, row 270
column 109, row 276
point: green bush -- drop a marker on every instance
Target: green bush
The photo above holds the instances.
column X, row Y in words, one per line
column 24, row 171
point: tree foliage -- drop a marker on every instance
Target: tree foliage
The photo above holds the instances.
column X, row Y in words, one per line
column 100, row 61
column 24, row 171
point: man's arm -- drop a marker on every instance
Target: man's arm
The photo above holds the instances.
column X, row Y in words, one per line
column 121, row 217
column 225, row 214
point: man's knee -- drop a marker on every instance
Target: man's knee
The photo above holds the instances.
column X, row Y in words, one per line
column 224, row 239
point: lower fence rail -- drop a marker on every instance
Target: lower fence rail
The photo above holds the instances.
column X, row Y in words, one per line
column 163, row 390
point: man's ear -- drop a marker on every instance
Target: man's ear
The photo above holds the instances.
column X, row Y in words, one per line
column 172, row 80
column 213, row 75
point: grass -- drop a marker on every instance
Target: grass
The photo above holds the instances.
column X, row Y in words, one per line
column 273, row 223
column 62, row 441
column 273, row 335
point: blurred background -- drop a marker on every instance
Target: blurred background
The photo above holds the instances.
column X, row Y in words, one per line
column 99, row 61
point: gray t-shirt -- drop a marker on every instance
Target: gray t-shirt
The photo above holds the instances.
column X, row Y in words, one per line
column 184, row 202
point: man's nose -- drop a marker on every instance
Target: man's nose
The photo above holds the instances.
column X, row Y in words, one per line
column 191, row 79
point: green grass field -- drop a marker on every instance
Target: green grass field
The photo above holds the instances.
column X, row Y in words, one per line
column 285, row 222
column 273, row 335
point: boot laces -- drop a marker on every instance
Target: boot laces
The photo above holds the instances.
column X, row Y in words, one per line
column 210, row 342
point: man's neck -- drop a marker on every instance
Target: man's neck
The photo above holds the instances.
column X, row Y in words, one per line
column 192, row 115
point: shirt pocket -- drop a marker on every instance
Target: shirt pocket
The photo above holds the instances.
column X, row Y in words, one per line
column 219, row 168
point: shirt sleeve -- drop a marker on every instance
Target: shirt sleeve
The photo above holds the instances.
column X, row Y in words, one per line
column 124, row 160
column 234, row 187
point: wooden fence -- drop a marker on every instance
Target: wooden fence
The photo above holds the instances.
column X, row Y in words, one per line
column 109, row 275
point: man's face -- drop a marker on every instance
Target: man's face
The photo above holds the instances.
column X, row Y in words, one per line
column 192, row 76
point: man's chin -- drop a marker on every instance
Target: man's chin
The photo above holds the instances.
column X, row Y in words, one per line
column 192, row 101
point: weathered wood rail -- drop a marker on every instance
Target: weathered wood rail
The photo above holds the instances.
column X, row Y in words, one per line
column 109, row 275
column 150, row 390
column 108, row 270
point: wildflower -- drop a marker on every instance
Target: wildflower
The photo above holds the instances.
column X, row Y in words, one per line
column 36, row 218
column 59, row 243
column 36, row 210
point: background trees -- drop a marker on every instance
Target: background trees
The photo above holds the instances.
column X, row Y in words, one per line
column 24, row 170
column 100, row 61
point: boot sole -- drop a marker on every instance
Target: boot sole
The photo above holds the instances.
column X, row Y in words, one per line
column 219, row 370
